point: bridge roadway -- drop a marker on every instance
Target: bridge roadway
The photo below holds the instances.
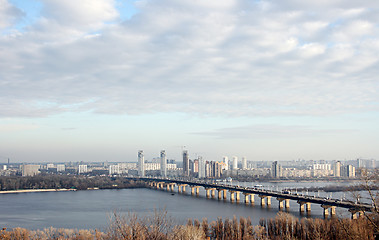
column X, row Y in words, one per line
column 303, row 200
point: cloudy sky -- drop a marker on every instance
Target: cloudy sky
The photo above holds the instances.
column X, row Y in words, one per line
column 98, row 80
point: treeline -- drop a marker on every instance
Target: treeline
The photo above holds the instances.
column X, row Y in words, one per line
column 66, row 181
column 161, row 227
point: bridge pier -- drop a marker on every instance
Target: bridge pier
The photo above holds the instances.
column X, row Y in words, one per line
column 225, row 194
column 304, row 206
column 326, row 210
column 231, row 196
column 263, row 200
column 281, row 203
column 308, row 206
column 214, row 193
column 355, row 214
column 221, row 193
column 195, row 190
column 269, row 201
column 210, row 192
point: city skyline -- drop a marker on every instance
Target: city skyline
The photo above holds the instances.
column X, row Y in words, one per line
column 98, row 80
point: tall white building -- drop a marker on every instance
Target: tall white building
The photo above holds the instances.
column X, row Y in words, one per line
column 82, row 169
column 201, row 167
column 114, row 169
column 235, row 163
column 61, row 167
column 244, row 163
column 225, row 160
column 163, row 164
column 337, row 169
column 141, row 164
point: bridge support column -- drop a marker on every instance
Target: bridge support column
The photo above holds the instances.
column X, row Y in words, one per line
column 246, row 197
column 179, row 188
column 308, row 204
column 325, row 211
column 213, row 193
column 197, row 191
column 237, row 197
column 225, row 194
column 281, row 203
column 302, row 205
column 168, row 187
column 192, row 190
column 220, row 193
column 207, row 190
column 252, row 200
column 268, row 201
column 287, row 203
column 232, row 196
column 263, row 200
column 333, row 211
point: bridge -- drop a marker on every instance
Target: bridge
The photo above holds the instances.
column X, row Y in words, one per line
column 304, row 201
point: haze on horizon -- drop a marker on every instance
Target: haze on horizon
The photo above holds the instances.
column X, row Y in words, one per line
column 98, row 80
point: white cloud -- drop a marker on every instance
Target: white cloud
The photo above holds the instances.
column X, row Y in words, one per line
column 217, row 57
column 8, row 14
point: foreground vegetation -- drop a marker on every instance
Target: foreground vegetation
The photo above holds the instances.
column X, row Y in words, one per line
column 66, row 181
column 159, row 226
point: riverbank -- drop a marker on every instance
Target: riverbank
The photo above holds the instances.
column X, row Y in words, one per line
column 36, row 190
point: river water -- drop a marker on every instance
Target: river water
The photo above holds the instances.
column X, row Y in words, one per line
column 94, row 208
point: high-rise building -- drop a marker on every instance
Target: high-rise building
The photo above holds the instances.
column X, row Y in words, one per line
column 337, row 169
column 349, row 171
column 30, row 170
column 82, row 169
column 275, row 170
column 141, row 164
column 235, row 163
column 244, row 163
column 114, row 169
column 163, row 164
column 185, row 163
column 225, row 160
column 61, row 168
column 201, row 167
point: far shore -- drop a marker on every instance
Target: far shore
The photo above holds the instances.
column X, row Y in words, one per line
column 37, row 190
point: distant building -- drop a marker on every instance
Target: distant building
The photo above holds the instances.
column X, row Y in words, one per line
column 141, row 164
column 114, row 169
column 244, row 163
column 349, row 171
column 50, row 165
column 337, row 169
column 275, row 170
column 235, row 163
column 82, row 169
column 201, row 167
column 61, row 168
column 163, row 164
column 186, row 169
column 30, row 170
column 225, row 160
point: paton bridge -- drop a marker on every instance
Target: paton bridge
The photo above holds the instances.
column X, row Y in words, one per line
column 329, row 205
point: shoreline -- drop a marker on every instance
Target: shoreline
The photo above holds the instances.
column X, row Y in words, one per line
column 36, row 190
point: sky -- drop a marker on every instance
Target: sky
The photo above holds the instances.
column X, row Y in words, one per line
column 98, row 80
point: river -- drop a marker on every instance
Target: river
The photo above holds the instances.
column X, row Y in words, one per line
column 93, row 208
